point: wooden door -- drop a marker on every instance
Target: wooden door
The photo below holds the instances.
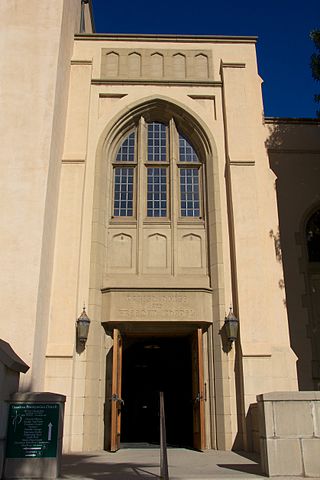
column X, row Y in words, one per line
column 198, row 391
column 116, row 400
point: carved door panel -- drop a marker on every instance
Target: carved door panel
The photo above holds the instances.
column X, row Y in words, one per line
column 198, row 391
column 116, row 400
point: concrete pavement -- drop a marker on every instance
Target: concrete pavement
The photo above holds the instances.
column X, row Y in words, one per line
column 143, row 463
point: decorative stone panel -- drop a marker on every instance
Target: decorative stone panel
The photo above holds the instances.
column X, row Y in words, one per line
column 150, row 64
column 122, row 245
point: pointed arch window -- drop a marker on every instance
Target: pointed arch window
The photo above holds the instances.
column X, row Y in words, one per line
column 189, row 179
column 157, row 174
column 167, row 165
column 124, row 178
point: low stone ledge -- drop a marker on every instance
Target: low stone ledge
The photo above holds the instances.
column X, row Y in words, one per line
column 37, row 397
column 289, row 429
column 289, row 396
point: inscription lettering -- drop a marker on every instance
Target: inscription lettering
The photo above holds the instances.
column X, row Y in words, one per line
column 127, row 313
column 162, row 307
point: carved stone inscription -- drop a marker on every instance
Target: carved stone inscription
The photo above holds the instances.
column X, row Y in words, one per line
column 145, row 306
column 162, row 307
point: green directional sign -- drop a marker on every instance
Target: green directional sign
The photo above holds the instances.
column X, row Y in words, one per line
column 32, row 430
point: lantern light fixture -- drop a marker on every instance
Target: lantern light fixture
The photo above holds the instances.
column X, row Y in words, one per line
column 82, row 327
column 231, row 326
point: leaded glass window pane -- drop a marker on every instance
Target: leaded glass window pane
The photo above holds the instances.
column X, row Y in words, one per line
column 126, row 150
column 189, row 191
column 157, row 192
column 157, row 142
column 186, row 151
column 123, row 192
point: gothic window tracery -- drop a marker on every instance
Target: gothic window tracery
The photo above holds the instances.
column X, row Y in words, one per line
column 165, row 176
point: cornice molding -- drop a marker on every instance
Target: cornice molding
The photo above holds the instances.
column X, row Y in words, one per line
column 66, row 158
column 166, row 38
column 175, row 83
column 153, row 290
column 240, row 163
column 81, row 62
column 291, row 121
column 233, row 65
column 112, row 95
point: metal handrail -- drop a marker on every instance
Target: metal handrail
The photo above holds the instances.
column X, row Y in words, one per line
column 164, row 473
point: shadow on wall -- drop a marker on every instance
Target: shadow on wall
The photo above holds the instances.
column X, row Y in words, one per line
column 275, row 236
column 293, row 146
column 251, row 426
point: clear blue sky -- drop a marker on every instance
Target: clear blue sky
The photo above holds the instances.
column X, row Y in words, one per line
column 284, row 47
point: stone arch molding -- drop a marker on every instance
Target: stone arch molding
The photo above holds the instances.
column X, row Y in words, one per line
column 188, row 121
column 123, row 120
column 308, row 214
column 195, row 128
column 300, row 234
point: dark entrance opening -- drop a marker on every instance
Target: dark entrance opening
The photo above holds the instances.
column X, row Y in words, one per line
column 151, row 365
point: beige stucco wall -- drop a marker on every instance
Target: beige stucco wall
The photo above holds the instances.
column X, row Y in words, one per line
column 37, row 42
column 241, row 212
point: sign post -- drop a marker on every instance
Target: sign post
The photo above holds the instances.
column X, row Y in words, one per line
column 34, row 439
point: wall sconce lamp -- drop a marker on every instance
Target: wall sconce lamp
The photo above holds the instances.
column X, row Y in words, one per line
column 82, row 327
column 231, row 324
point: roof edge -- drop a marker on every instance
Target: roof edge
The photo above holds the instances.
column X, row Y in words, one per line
column 10, row 359
column 292, row 120
column 151, row 37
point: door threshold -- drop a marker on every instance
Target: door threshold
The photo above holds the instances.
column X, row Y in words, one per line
column 139, row 445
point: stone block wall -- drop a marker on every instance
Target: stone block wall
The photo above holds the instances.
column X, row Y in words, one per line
column 289, row 424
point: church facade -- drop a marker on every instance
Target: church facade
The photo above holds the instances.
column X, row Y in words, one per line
column 144, row 182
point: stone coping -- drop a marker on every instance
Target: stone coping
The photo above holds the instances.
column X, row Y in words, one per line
column 167, row 38
column 10, row 359
column 289, row 396
column 37, row 397
column 291, row 120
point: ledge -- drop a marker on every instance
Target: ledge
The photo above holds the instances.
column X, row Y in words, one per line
column 37, row 397
column 155, row 289
column 291, row 121
column 10, row 359
column 167, row 38
column 289, row 396
column 171, row 83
